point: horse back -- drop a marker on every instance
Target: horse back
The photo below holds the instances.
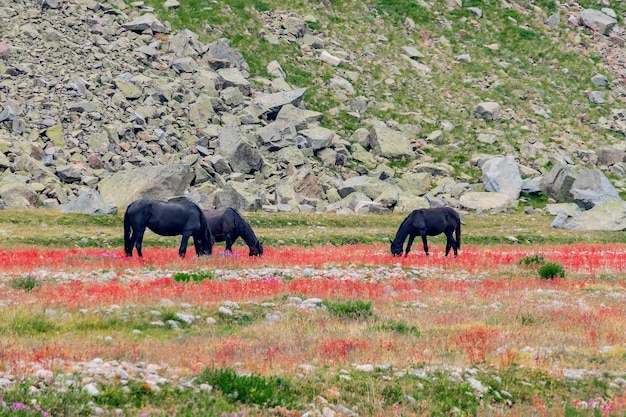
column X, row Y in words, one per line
column 221, row 222
column 166, row 218
column 436, row 220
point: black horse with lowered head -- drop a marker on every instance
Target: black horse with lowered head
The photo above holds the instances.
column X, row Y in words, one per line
column 227, row 225
column 428, row 222
column 167, row 218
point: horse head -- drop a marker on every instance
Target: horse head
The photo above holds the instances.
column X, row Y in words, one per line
column 396, row 248
column 256, row 249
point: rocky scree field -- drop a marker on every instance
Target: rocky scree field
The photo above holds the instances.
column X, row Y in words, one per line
column 96, row 94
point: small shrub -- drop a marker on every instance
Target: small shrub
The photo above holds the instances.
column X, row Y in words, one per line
column 526, row 319
column 400, row 327
column 551, row 270
column 532, row 260
column 198, row 276
column 27, row 283
column 351, row 309
column 250, row 389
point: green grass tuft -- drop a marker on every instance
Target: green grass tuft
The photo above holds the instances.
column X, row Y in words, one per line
column 351, row 309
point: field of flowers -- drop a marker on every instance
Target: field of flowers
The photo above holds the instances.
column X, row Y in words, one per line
column 322, row 330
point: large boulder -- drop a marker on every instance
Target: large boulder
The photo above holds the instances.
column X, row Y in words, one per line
column 302, row 118
column 15, row 192
column 584, row 186
column 89, row 202
column 273, row 102
column 155, row 182
column 597, row 21
column 278, row 134
column 486, row 201
column 607, row 215
column 238, row 196
column 501, row 174
column 592, row 187
column 389, row 143
column 318, row 137
column 370, row 186
column 243, row 156
column 558, row 182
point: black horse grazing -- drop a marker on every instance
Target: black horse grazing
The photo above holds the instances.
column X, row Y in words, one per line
column 227, row 225
column 166, row 219
column 428, row 222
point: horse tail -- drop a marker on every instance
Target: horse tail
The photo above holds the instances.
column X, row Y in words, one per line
column 206, row 231
column 458, row 234
column 128, row 247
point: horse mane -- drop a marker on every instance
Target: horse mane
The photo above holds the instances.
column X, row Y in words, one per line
column 403, row 229
column 244, row 229
column 203, row 223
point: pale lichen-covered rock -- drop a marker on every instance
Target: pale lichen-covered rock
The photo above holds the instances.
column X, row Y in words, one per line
column 501, row 174
column 155, row 182
column 607, row 215
column 390, row 143
column 485, row 201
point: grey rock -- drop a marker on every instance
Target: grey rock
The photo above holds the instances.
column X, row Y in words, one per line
column 318, row 137
column 488, row 111
column 238, row 196
column 15, row 192
column 145, row 22
column 232, row 77
column 596, row 97
column 597, row 21
column 155, row 182
column 558, row 182
column 609, row 215
column 221, row 49
column 389, row 143
column 592, row 187
column 291, row 155
column 278, row 134
column 273, row 102
column 486, row 201
column 599, row 80
column 7, row 113
column 89, row 202
column 243, row 156
column 370, row 186
column 501, row 174
column 301, row 118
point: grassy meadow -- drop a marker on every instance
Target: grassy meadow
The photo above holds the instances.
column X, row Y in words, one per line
column 527, row 320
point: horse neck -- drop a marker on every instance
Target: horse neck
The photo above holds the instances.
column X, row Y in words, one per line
column 248, row 236
column 401, row 234
column 403, row 230
column 246, row 232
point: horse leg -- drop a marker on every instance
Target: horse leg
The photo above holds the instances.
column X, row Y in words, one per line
column 425, row 242
column 183, row 244
column 138, row 237
column 408, row 245
column 129, row 242
column 450, row 243
column 229, row 242
column 455, row 244
column 197, row 246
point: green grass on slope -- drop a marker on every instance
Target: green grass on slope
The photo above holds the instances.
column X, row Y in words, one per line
column 54, row 229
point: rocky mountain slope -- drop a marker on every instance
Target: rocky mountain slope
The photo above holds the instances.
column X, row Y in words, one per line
column 327, row 107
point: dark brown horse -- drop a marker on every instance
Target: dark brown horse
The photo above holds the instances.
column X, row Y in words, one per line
column 166, row 218
column 428, row 222
column 227, row 225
